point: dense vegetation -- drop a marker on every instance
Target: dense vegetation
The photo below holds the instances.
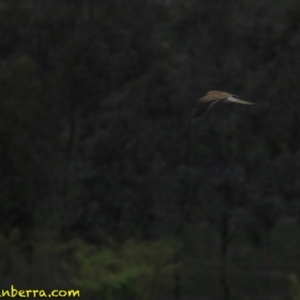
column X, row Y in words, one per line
column 106, row 182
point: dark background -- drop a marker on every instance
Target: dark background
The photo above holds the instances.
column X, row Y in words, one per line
column 107, row 185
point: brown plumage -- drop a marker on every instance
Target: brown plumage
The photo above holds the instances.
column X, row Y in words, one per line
column 213, row 97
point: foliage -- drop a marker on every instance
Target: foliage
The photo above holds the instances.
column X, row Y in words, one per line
column 134, row 271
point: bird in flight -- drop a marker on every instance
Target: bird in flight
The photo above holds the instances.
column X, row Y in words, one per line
column 213, row 97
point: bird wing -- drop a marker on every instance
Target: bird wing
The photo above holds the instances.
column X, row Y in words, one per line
column 203, row 106
column 233, row 99
column 208, row 101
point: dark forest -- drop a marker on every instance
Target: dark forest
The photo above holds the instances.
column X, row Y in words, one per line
column 107, row 183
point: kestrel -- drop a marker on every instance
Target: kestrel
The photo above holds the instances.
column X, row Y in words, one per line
column 213, row 97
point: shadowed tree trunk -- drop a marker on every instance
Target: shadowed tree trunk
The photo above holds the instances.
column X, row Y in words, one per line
column 184, row 218
column 177, row 278
column 224, row 242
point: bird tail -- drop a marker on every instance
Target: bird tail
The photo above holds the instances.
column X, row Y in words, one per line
column 231, row 99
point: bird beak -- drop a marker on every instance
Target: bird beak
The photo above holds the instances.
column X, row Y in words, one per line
column 231, row 99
